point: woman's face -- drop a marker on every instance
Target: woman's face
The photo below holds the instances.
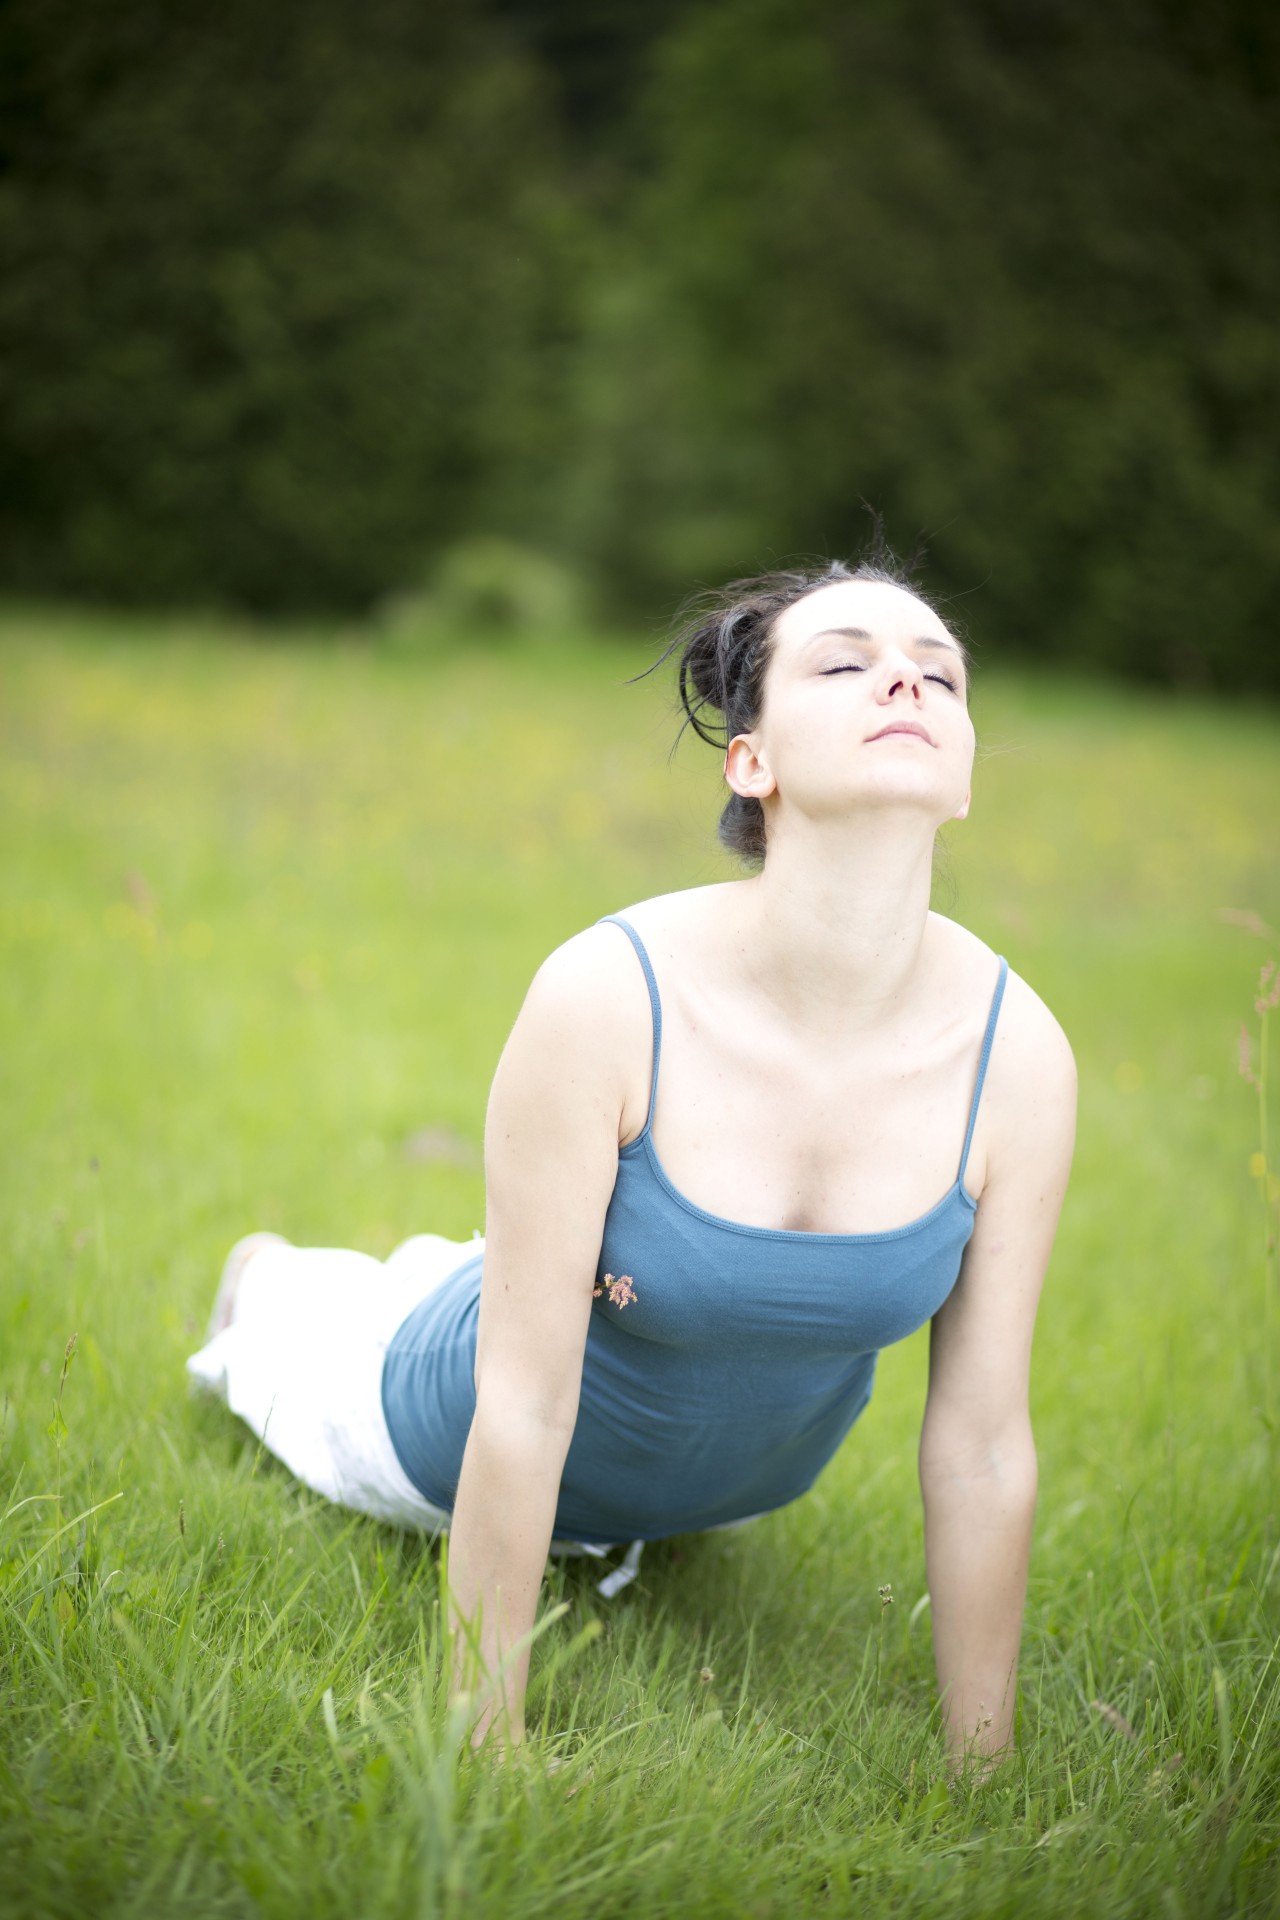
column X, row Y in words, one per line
column 865, row 706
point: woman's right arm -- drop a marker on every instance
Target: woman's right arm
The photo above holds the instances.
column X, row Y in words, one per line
column 551, row 1157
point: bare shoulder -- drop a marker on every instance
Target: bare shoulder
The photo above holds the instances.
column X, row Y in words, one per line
column 1030, row 1095
column 586, row 1028
column 588, row 1012
column 678, row 923
column 1029, row 1042
column 1031, row 1060
column 1026, row 1121
column 591, row 988
column 596, row 977
column 601, row 962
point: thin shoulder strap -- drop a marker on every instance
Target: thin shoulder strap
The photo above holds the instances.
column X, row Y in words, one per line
column 987, row 1039
column 654, row 1002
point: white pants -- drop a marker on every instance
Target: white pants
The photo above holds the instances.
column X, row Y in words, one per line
column 301, row 1362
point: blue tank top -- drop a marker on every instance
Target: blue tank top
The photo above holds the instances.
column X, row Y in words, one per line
column 724, row 1363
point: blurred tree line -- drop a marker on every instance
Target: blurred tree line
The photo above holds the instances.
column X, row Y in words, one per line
column 295, row 299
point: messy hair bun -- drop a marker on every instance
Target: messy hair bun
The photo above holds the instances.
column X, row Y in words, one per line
column 725, row 642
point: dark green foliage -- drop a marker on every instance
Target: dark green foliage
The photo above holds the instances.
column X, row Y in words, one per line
column 1003, row 271
column 294, row 300
column 272, row 278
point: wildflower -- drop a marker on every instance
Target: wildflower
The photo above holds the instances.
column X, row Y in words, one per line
column 1266, row 1001
column 621, row 1292
column 886, row 1595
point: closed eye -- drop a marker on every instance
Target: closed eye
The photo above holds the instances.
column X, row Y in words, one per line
column 852, row 666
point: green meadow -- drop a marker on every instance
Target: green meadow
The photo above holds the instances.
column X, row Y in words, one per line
column 268, row 905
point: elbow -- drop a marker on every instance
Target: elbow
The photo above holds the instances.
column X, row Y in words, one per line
column 524, row 1425
column 1001, row 1462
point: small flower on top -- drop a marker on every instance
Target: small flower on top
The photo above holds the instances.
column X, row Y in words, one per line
column 621, row 1292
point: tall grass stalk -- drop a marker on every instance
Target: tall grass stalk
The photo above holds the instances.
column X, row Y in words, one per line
column 1266, row 1000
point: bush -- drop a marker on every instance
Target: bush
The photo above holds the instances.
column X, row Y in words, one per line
column 493, row 586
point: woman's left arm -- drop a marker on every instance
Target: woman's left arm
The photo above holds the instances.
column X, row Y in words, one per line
column 977, row 1455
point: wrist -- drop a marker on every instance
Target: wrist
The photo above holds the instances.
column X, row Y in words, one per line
column 978, row 1739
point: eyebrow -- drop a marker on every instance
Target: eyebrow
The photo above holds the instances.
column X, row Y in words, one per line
column 860, row 633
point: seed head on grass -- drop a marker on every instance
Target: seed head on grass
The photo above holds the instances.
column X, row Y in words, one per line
column 1114, row 1718
column 1245, row 917
column 59, row 1426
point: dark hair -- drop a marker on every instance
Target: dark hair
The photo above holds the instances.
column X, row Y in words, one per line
column 725, row 643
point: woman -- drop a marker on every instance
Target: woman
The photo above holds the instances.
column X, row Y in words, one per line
column 714, row 1151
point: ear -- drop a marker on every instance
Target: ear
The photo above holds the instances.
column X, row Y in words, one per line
column 962, row 811
column 745, row 771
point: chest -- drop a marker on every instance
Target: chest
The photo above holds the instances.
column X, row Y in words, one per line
column 778, row 1313
column 839, row 1140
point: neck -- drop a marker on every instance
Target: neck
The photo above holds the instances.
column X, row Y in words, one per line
column 834, row 927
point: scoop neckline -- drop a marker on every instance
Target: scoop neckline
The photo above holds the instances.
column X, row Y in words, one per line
column 645, row 1140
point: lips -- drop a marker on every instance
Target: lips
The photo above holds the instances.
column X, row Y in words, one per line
column 903, row 726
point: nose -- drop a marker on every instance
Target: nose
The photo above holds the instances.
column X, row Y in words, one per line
column 900, row 675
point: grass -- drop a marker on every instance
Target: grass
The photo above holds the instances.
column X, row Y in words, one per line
column 266, row 910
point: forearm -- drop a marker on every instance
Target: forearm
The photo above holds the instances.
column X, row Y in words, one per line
column 977, row 1547
column 502, row 1526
